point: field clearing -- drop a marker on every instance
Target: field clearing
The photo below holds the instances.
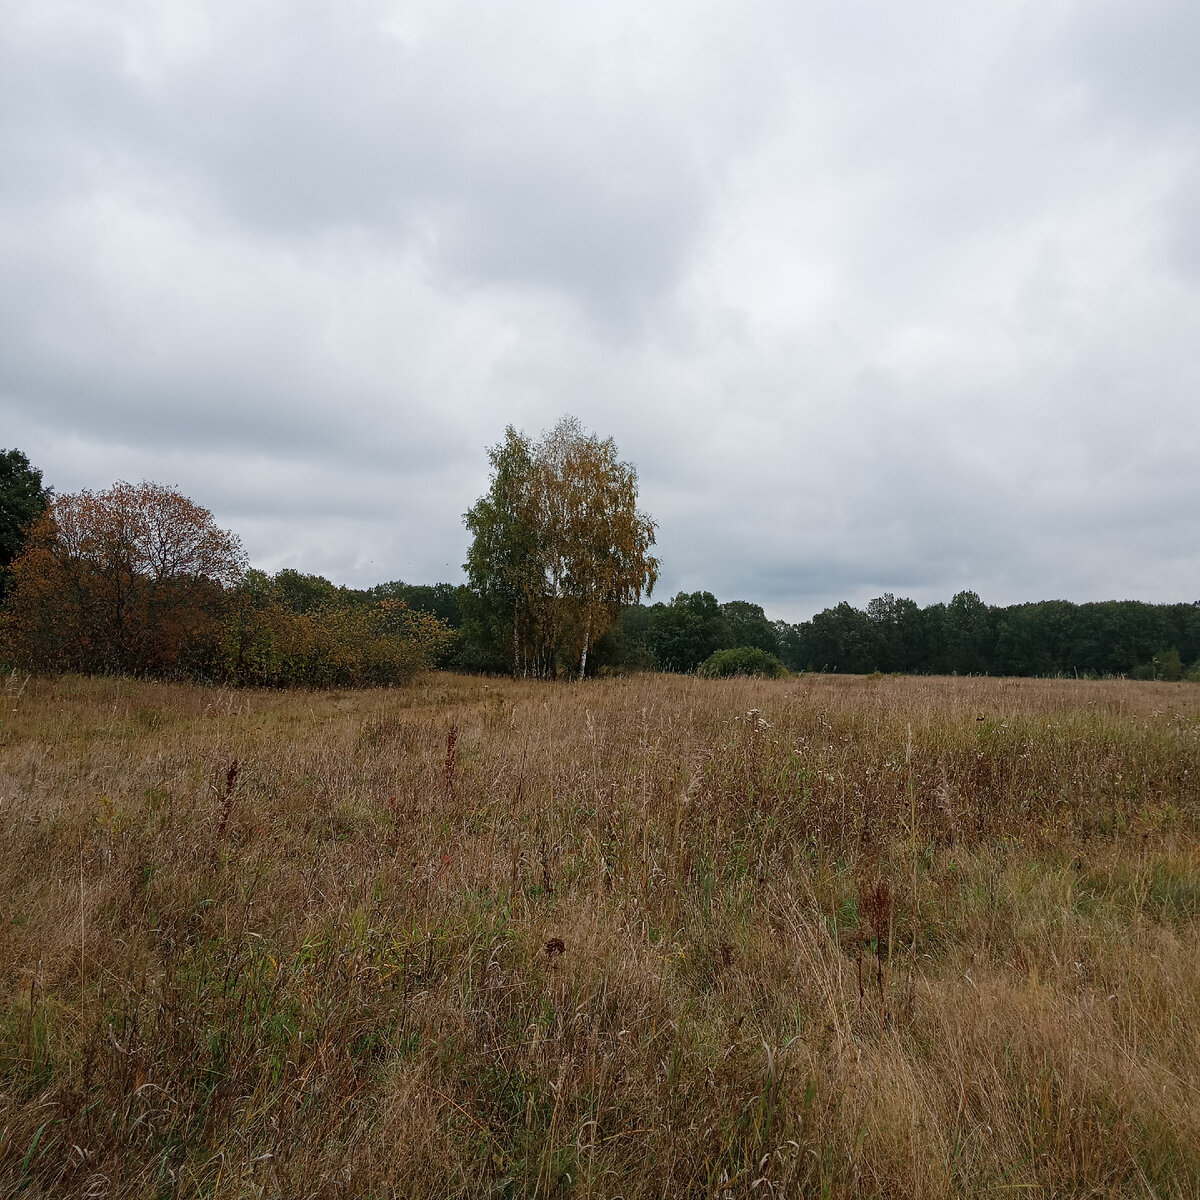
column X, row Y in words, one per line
column 652, row 936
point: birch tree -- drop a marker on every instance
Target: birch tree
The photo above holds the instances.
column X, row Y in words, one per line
column 560, row 543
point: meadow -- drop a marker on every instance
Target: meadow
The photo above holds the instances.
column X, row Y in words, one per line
column 650, row 936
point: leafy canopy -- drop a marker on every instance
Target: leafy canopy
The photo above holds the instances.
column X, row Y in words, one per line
column 130, row 579
column 559, row 546
column 23, row 498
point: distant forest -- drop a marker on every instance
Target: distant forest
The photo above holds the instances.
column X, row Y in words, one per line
column 965, row 636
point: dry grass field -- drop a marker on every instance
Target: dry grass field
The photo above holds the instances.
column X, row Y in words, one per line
column 655, row 936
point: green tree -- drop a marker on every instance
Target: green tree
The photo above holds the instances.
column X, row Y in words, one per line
column 442, row 599
column 1167, row 665
column 559, row 546
column 842, row 639
column 310, row 593
column 625, row 645
column 504, row 567
column 899, row 634
column 23, row 498
column 969, row 640
column 685, row 632
column 748, row 626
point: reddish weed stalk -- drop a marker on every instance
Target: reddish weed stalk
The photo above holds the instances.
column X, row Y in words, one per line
column 231, row 774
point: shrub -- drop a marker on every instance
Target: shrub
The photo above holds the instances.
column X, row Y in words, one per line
column 380, row 644
column 742, row 660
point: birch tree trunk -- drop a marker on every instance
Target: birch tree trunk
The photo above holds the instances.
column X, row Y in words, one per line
column 587, row 637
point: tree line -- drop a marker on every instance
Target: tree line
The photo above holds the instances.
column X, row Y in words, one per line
column 965, row 637
column 138, row 579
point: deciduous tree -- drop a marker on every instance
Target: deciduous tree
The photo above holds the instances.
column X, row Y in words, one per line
column 130, row 579
column 505, row 564
column 23, row 498
column 559, row 545
column 687, row 631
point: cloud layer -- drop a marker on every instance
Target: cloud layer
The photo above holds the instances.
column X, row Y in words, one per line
column 876, row 297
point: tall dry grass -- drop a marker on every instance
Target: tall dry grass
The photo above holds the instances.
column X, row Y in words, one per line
column 644, row 937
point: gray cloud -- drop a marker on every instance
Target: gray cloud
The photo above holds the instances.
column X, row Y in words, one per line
column 878, row 299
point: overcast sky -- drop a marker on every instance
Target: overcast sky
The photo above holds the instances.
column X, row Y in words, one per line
column 877, row 296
